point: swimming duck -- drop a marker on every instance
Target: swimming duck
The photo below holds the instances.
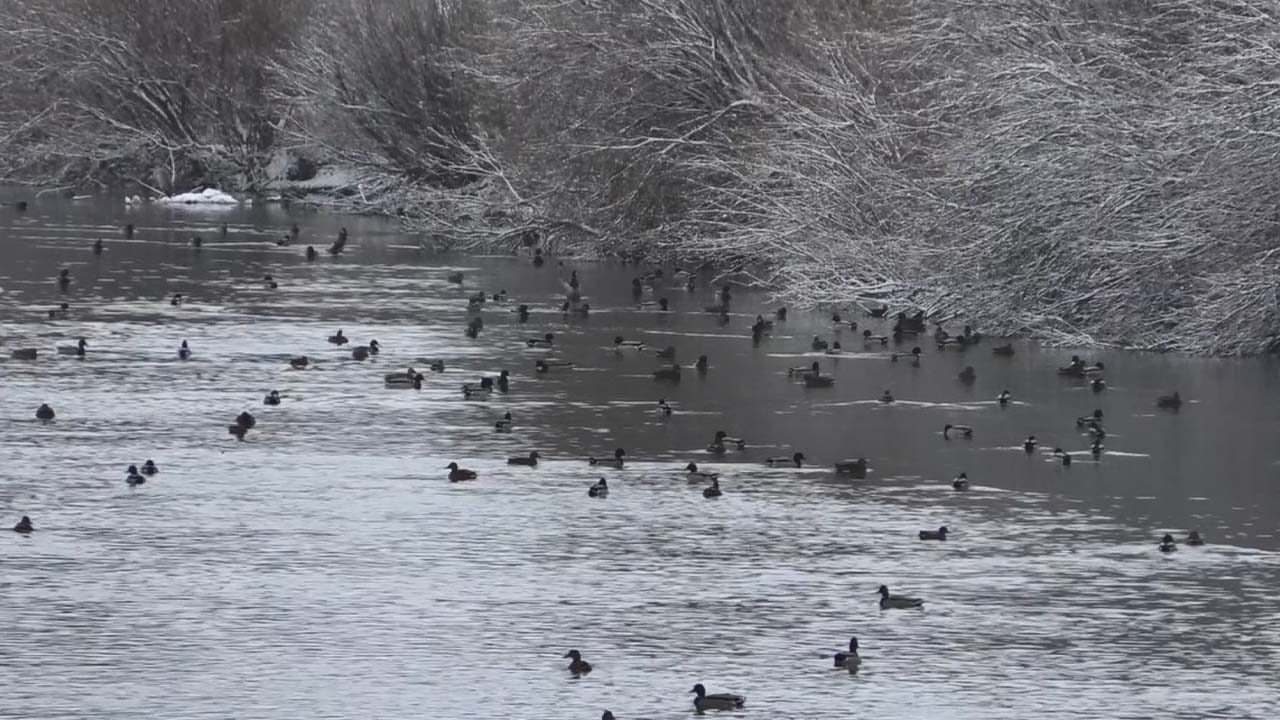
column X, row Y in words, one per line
column 619, row 343
column 24, row 526
column 484, row 388
column 615, row 461
column 545, row 366
column 961, row 482
column 1066, row 457
column 713, row 491
column 1168, row 544
column 1094, row 369
column 1172, row 402
column 64, row 278
column 44, row 412
column 177, row 300
column 670, row 374
column 505, row 424
column 545, row 341
column 719, row 701
column 475, row 302
column 814, row 380
column 835, row 349
column 457, row 474
column 915, row 356
column 61, row 310
column 667, row 353
column 1029, row 445
column 299, row 363
column 128, row 231
column 1004, row 350
column 537, row 257
column 577, row 665
column 1096, row 448
column 364, row 351
column 867, row 337
column 77, row 349
column 272, row 398
column 246, row 420
column 437, row 366
column 1193, row 538
column 184, row 351
column 270, row 282
column 887, row 397
column 531, row 461
column 405, row 377
column 454, row 277
column 284, row 241
column 1075, row 368
column 803, row 371
column 695, row 474
column 504, row 381
column 849, row 660
column 97, row 246
column 340, row 244
column 1098, row 384
column 1090, row 419
column 968, row 375
column 939, row 534
column 583, row 310
column 133, row 477
column 888, row 601
column 818, row 343
column 798, row 459
column 197, row 242
column 962, row 429
column 312, row 254
column 599, row 490
column 856, row 468
column 663, row 408
column 1004, row 397
column 338, row 339
column 662, row 304
column 473, row 328
column 149, row 468
column 25, row 354
column 722, row 437
column 702, row 364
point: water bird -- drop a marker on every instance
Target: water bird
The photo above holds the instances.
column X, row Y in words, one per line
column 667, row 353
column 24, row 526
column 270, row 282
column 530, row 461
column 961, row 482
column 702, row 364
column 77, row 349
column 663, row 407
column 1005, row 350
column 669, row 374
column 1004, row 397
column 615, row 461
column 128, row 231
column 720, row 701
column 888, row 601
column 545, row 341
column 485, row 387
column 1090, row 419
column 1168, row 544
column 400, row 377
column 835, row 349
column 500, row 296
column 340, row 244
column 97, row 246
column 1029, row 445
column 599, row 490
column 246, row 420
column 474, row 327
column 939, row 534
column 25, row 354
column 454, row 277
column 1066, row 457
column 962, row 429
column 887, row 397
column 849, row 660
column 713, row 491
column 546, row 366
column 1172, row 402
column 968, row 375
column 299, row 363
column 197, row 242
column 133, row 477
column 695, row 474
column 537, row 257
column 855, row 468
column 1096, row 448
column 437, row 366
column 523, row 313
column 60, row 311
column 149, row 468
column 338, row 338
column 1094, row 369
column 577, row 665
column 364, row 351
column 582, row 310
column 867, row 337
column 505, row 424
column 177, row 300
column 272, row 398
column 457, row 474
column 818, row 343
column 803, row 371
column 879, row 312
column 1098, row 384
column 311, row 253
column 184, row 351
column 780, row 313
column 284, row 241
column 797, row 459
column 64, row 278
column 1193, row 538
column 722, row 437
column 915, row 356
column 44, row 412
column 814, row 378
column 619, row 342
column 1073, row 369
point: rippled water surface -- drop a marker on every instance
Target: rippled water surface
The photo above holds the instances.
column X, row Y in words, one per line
column 326, row 568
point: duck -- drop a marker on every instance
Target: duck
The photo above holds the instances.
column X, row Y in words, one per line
column 128, row 231
column 577, row 665
column 1005, row 350
column 962, row 429
column 25, row 354
column 1090, row 419
column 721, row 438
column 888, row 601
column 714, row 490
column 1098, row 384
column 545, row 341
column 340, row 244
column 437, row 366
column 272, row 398
column 531, row 461
column 454, row 277
column 961, row 482
column 814, row 380
column 1093, row 369
column 1172, row 402
column 1004, row 398
column 545, row 366
column 457, row 474
column 1096, row 448
column 761, row 326
column 720, row 701
column 177, row 300
column 583, row 310
column 663, row 304
column 667, row 353
column 663, row 408
column 702, row 364
column 24, row 526
column 818, row 343
column 599, row 490
column 338, row 338
column 1168, row 544
column 1066, row 457
column 484, row 388
column 312, row 254
column 270, row 282
column 615, row 461
column 1029, row 445
column 364, row 351
column 197, row 242
column 1193, row 538
column 97, row 246
column 522, row 313
column 939, row 534
column 537, row 257
column 868, row 338
column 915, row 356
column 797, row 459
column 968, row 375
column 695, row 474
column 849, row 660
column 619, row 342
column 473, row 328
column 803, row 371
column 405, row 377
column 64, row 278
column 44, row 412
column 299, row 363
column 504, row 381
column 835, row 349
column 476, row 302
column 133, row 477
column 149, row 468
column 77, row 349
column 60, row 311
column 505, row 424
column 284, row 241
column 887, row 397
column 669, row 374
column 246, row 420
column 1075, row 368
column 856, row 468
column 184, row 351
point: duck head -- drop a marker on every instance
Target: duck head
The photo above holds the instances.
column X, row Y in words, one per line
column 533, row 455
column 884, row 591
column 699, row 690
column 798, row 459
column 1167, row 538
column 574, row 655
column 133, row 470
column 853, row 645
column 619, row 453
column 721, row 435
column 617, row 340
column 691, row 467
column 943, row 530
column 451, row 466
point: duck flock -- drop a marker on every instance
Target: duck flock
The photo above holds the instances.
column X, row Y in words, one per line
column 909, row 332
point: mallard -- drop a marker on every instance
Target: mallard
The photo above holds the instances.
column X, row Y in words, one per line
column 1094, row 369
column 1075, row 368
column 615, row 461
column 577, row 665
column 667, row 353
column 454, row 277
column 797, row 459
column 1193, row 538
column 64, row 277
column 312, row 253
column 184, row 351
column 1066, row 457
column 272, row 398
column 61, row 310
column 149, row 468
column 1029, row 445
column 400, row 377
column 1095, row 417
column 1172, row 402
column 363, row 352
column 962, row 429
column 24, row 526
column 915, row 356
column 849, row 660
column 818, row 343
column 545, row 341
column 246, row 420
column 702, row 364
column 457, row 474
column 338, row 339
column 1005, row 350
column 25, row 354
column 663, row 408
column 713, row 491
column 719, row 701
column 505, row 424
column 814, row 378
column 437, row 366
column 619, row 342
column 599, row 490
column 1097, row 447
column 270, row 282
column 803, row 371
column 544, row 366
column 177, row 300
column 284, row 241
column 1168, row 544
column 887, row 397
column 44, row 412
column 531, row 461
column 133, row 477
column 484, row 388
column 867, row 337
column 669, row 374
column 968, row 375
column 299, row 363
column 939, row 534
column 856, row 468
column 77, row 349
column 888, row 601
column 197, row 242
column 695, row 474
column 718, row 444
column 1098, row 384
column 961, row 482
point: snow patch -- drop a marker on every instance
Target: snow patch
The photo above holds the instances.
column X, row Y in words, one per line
column 208, row 196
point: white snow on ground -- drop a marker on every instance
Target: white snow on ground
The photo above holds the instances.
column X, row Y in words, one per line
column 208, row 196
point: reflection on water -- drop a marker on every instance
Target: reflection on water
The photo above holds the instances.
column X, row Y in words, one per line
column 326, row 567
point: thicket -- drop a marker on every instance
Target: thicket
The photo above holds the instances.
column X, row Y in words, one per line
column 1087, row 171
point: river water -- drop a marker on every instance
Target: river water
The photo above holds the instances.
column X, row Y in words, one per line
column 326, row 568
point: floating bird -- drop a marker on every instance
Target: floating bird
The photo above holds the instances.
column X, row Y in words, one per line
column 663, row 407
column 1167, row 543
column 1066, row 457
column 149, row 468
column 797, row 459
column 24, row 526
column 311, row 254
column 270, row 282
column 457, row 474
column 856, row 468
column 177, row 300
column 888, row 601
column 719, row 701
column 577, row 665
column 867, row 337
column 77, row 349
column 615, row 461
column 849, row 660
column 813, row 379
column 1004, row 397
column 545, row 341
column 484, row 388
column 667, row 353
column 1193, row 538
column 1172, row 402
column 546, row 366
column 299, row 363
column 619, row 342
column 97, row 246
column 61, row 310
column 531, row 461
column 272, row 398
column 338, row 338
column 818, row 343
column 455, row 278
column 961, row 482
column 962, row 429
column 702, row 364
column 364, row 351
column 713, row 491
column 44, row 412
column 1093, row 418
column 437, row 366
column 669, row 374
column 133, row 477
column 505, row 424
column 887, row 397
column 599, row 490
column 695, row 474
column 400, row 377
column 939, row 534
column 1029, row 445
column 184, row 351
column 25, row 354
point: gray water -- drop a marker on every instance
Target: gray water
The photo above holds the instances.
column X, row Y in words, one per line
column 326, row 568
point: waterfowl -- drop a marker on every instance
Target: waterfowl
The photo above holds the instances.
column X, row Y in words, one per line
column 849, row 660
column 505, row 424
column 272, row 398
column 1094, row 369
column 915, row 356
column 713, row 491
column 299, row 363
column 246, row 420
column 615, row 461
column 25, row 354
column 340, row 244
column 531, row 461
column 338, row 339
column 400, row 377
column 133, row 477
column 1168, row 544
column 475, row 302
column 962, row 429
column 537, row 257
column 722, row 437
column 270, row 282
column 619, row 343
column 545, row 341
column 695, row 474
column 670, row 374
column 780, row 313
column 1066, row 457
column 149, row 468
column 719, row 701
column 968, row 375
column 61, row 310
column 1090, row 419
column 364, row 351
column 504, row 381
column 1193, row 538
column 284, row 241
column 128, row 231
column 1029, row 445
column 599, row 490
column 64, row 278
column 1004, row 397
column 24, row 526
column 484, row 388
column 702, row 364
column 1098, row 384
column 545, row 366
column 961, row 482
column 197, row 242
column 44, row 412
column 835, row 349
column 803, row 371
column 887, row 397
column 814, row 380
column 1172, row 402
column 184, row 351
column 888, row 601
column 437, row 366
column 1096, row 448
column 1005, row 350
column 577, row 665
column 797, row 459
column 97, row 246
column 1075, row 368
column 939, row 534
column 177, row 300
column 663, row 407
column 582, row 310
column 856, row 468
column 667, row 353
column 818, row 343
column 311, row 253
column 454, row 277
column 77, row 349
column 473, row 328
column 457, row 474
column 867, row 337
